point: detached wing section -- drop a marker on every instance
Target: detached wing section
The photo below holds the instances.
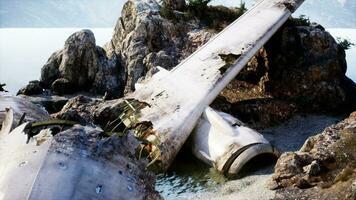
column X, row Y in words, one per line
column 176, row 101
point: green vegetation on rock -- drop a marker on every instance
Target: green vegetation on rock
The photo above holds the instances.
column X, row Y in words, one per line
column 344, row 43
column 214, row 17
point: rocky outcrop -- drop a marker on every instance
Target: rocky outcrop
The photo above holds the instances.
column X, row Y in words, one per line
column 90, row 111
column 324, row 168
column 302, row 68
column 142, row 36
column 34, row 87
column 307, row 66
column 54, row 103
column 80, row 66
column 146, row 36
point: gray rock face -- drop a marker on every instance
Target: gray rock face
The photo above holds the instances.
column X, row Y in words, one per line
column 82, row 66
column 144, row 39
column 88, row 110
column 301, row 69
column 33, row 88
column 79, row 60
column 325, row 165
column 50, row 71
column 308, row 67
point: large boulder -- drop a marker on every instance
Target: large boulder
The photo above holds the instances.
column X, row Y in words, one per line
column 301, row 69
column 34, row 87
column 82, row 66
column 307, row 66
column 140, row 32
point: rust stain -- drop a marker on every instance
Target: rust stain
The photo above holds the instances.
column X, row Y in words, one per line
column 229, row 60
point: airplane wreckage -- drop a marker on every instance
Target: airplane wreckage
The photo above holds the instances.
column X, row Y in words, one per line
column 36, row 164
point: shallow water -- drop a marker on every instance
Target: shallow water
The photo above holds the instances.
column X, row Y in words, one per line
column 187, row 176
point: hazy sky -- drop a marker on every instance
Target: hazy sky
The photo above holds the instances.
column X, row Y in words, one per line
column 104, row 13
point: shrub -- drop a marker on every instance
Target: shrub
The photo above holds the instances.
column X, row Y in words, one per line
column 302, row 20
column 166, row 11
column 344, row 43
column 215, row 17
column 198, row 3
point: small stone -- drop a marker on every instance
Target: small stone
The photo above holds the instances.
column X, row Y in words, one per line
column 99, row 189
column 313, row 169
column 23, row 163
column 272, row 185
column 303, row 184
column 129, row 188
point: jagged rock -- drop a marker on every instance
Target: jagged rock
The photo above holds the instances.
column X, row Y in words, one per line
column 313, row 169
column 144, row 39
column 175, row 4
column 325, row 164
column 54, row 103
column 50, row 71
column 79, row 60
column 258, row 113
column 139, row 31
column 302, row 68
column 307, row 66
column 87, row 110
column 159, row 59
column 33, row 88
column 62, row 86
column 76, row 109
column 82, row 66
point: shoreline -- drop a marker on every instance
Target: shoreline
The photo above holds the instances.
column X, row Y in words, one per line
column 251, row 184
